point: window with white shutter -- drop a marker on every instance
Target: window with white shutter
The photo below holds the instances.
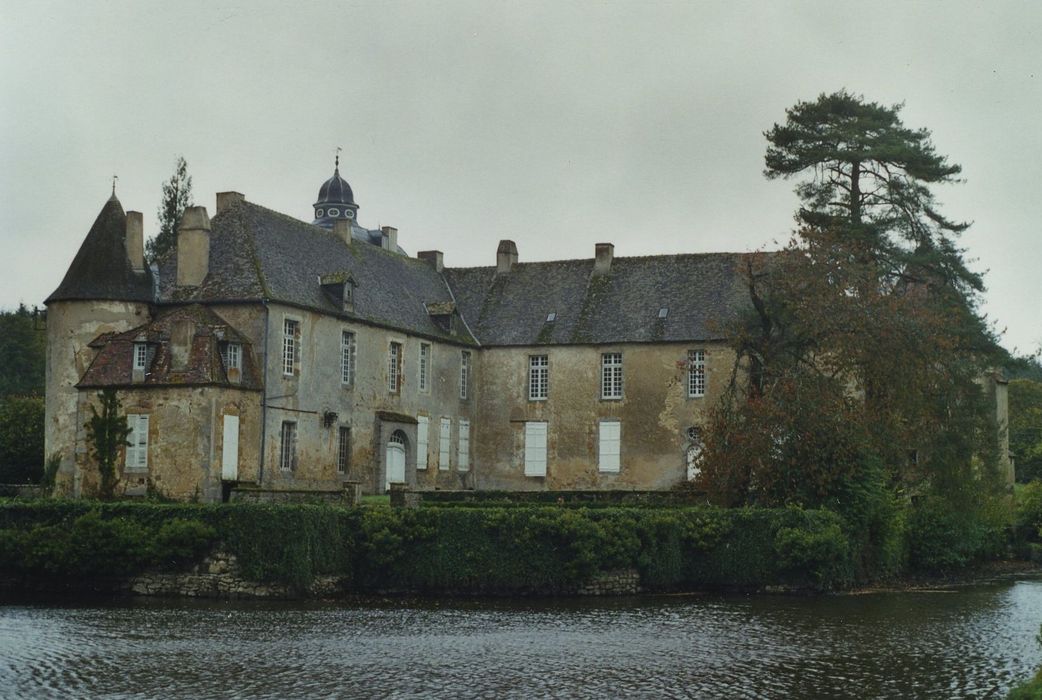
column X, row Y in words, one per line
column 444, row 446
column 464, row 445
column 535, row 449
column 137, row 450
column 422, row 439
column 609, row 445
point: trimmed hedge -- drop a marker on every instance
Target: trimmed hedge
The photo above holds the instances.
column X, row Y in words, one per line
column 437, row 550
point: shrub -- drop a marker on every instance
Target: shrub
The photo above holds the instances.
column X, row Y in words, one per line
column 943, row 538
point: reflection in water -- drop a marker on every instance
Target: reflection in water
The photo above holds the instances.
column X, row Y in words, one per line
column 976, row 642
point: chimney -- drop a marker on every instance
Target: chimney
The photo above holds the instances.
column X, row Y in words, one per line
column 434, row 258
column 342, row 229
column 226, row 200
column 193, row 247
column 390, row 238
column 603, row 254
column 135, row 241
column 506, row 256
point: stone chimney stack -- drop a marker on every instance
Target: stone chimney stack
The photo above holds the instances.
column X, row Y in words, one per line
column 603, row 254
column 434, row 258
column 135, row 241
column 390, row 238
column 342, row 229
column 506, row 256
column 225, row 200
column 193, row 247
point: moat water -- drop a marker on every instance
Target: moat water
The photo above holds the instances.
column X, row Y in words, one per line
column 959, row 643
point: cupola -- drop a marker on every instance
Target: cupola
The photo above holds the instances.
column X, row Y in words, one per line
column 336, row 201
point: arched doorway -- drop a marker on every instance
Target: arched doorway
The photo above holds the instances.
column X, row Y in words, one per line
column 395, row 459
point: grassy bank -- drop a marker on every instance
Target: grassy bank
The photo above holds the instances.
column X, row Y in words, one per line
column 435, row 550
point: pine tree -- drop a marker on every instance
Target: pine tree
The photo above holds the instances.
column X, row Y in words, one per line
column 177, row 194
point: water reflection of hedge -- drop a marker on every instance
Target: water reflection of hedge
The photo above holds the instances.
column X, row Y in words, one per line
column 465, row 550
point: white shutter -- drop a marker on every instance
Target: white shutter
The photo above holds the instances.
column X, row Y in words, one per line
column 230, row 449
column 464, row 445
column 137, row 450
column 609, row 445
column 422, row 432
column 444, row 447
column 535, row 449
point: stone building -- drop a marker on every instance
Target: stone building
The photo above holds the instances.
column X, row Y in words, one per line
column 275, row 354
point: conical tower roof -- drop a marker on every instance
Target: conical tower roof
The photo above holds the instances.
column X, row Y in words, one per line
column 101, row 268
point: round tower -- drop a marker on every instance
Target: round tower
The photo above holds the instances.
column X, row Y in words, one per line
column 107, row 289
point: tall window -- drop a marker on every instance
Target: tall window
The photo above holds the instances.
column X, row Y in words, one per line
column 290, row 346
column 232, row 356
column 423, row 424
column 343, row 450
column 464, row 445
column 444, row 447
column 538, row 377
column 288, row 446
column 140, row 356
column 611, row 375
column 347, row 358
column 394, row 368
column 137, row 450
column 535, row 449
column 696, row 373
column 425, row 367
column 464, row 374
column 609, row 443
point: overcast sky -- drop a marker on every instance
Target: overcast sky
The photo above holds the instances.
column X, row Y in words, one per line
column 556, row 124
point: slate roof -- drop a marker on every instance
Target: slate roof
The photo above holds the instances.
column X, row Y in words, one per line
column 101, row 268
column 257, row 253
column 703, row 293
column 113, row 364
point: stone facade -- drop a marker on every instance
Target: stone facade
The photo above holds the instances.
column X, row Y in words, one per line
column 330, row 357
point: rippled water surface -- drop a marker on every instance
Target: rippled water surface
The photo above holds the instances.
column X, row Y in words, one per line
column 971, row 642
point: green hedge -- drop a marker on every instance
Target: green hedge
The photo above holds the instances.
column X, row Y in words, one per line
column 437, row 550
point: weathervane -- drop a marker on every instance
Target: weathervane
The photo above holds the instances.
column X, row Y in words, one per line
column 114, row 178
column 338, row 149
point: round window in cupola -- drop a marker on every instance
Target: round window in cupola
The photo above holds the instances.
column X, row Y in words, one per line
column 334, row 212
column 318, row 213
column 349, row 214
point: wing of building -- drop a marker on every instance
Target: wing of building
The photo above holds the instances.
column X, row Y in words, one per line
column 272, row 354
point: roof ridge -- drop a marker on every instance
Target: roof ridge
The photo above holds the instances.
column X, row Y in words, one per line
column 617, row 258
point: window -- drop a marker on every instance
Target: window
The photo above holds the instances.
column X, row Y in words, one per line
column 425, row 367
column 318, row 213
column 140, row 356
column 464, row 445
column 444, row 448
column 693, row 453
column 538, row 377
column 288, row 446
column 611, row 375
column 551, row 317
column 137, row 450
column 232, row 357
column 343, row 450
column 464, row 373
column 535, row 449
column 333, row 212
column 422, row 437
column 347, row 358
column 609, row 443
column 394, row 368
column 290, row 346
column 696, row 373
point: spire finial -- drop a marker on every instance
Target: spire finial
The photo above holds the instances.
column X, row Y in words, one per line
column 114, row 178
column 338, row 149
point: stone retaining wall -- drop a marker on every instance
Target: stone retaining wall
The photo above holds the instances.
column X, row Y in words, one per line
column 618, row 582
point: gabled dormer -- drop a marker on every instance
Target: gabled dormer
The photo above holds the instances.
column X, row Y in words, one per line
column 339, row 288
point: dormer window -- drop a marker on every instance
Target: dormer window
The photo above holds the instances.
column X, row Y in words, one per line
column 232, row 357
column 551, row 317
column 663, row 312
column 140, row 357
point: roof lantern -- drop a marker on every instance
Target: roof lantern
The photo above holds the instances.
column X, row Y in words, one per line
column 335, row 200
